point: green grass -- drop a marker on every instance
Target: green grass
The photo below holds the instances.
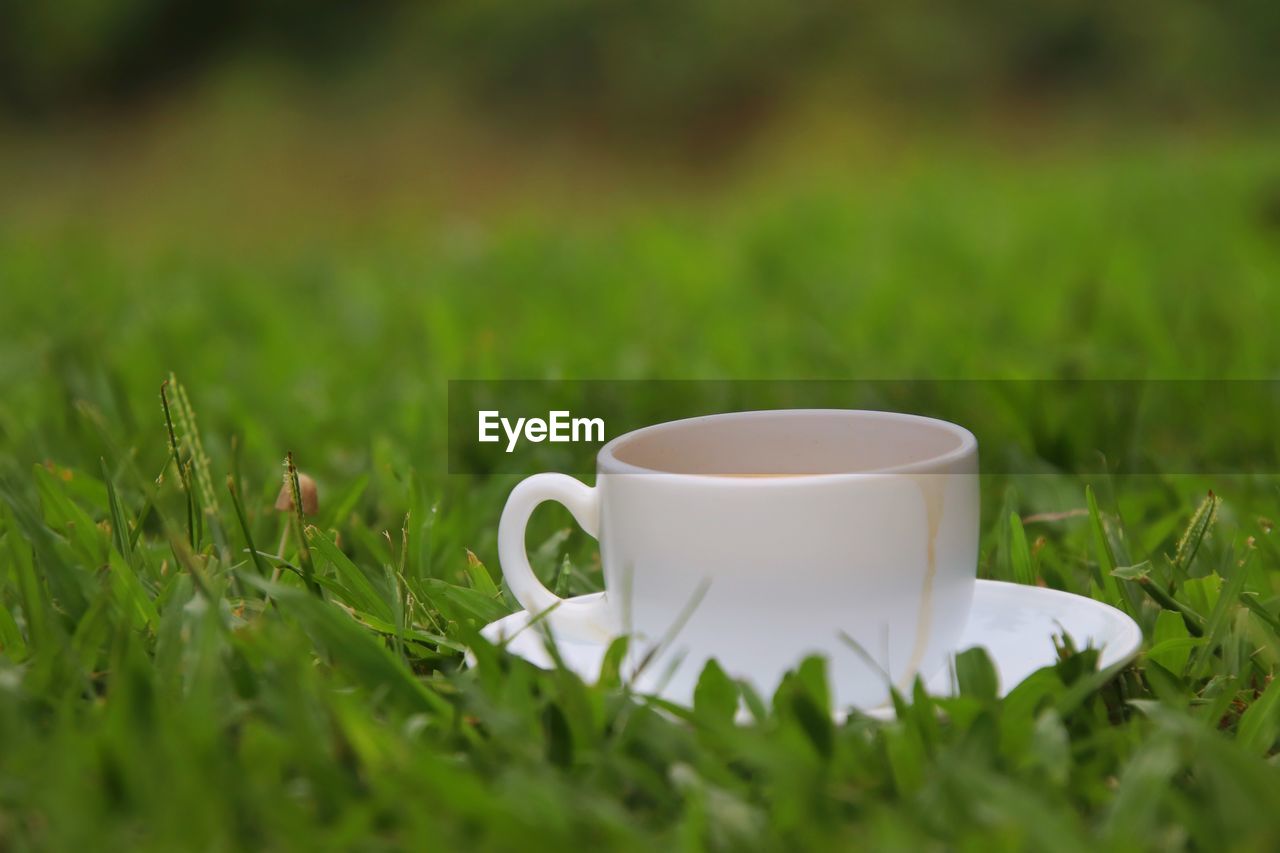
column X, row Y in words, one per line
column 159, row 690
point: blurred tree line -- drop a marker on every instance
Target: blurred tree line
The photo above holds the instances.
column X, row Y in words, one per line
column 662, row 63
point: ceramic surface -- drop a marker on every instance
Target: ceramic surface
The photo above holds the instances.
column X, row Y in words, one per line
column 1016, row 625
column 767, row 536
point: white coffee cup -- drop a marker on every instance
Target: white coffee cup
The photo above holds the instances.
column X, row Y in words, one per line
column 757, row 538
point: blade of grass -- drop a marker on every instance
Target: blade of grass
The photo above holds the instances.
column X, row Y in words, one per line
column 1249, row 600
column 304, row 552
column 199, row 473
column 1195, row 622
column 36, row 610
column 1201, row 523
column 1229, row 596
column 119, row 528
column 177, row 463
column 186, row 559
column 130, row 592
column 479, row 575
column 244, row 528
column 366, row 596
column 674, row 629
column 1260, row 724
column 1024, row 571
column 1102, row 547
column 352, row 650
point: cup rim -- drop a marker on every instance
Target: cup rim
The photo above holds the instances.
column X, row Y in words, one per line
column 607, row 461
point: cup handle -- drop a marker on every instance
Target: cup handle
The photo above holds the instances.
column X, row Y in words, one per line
column 583, row 502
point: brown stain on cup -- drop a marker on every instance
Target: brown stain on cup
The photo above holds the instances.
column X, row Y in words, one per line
column 931, row 486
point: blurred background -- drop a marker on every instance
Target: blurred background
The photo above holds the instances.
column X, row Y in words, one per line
column 686, row 70
column 316, row 213
column 234, row 113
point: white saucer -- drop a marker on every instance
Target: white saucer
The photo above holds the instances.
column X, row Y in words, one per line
column 1016, row 624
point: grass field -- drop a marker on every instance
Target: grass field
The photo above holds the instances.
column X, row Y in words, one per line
column 159, row 691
